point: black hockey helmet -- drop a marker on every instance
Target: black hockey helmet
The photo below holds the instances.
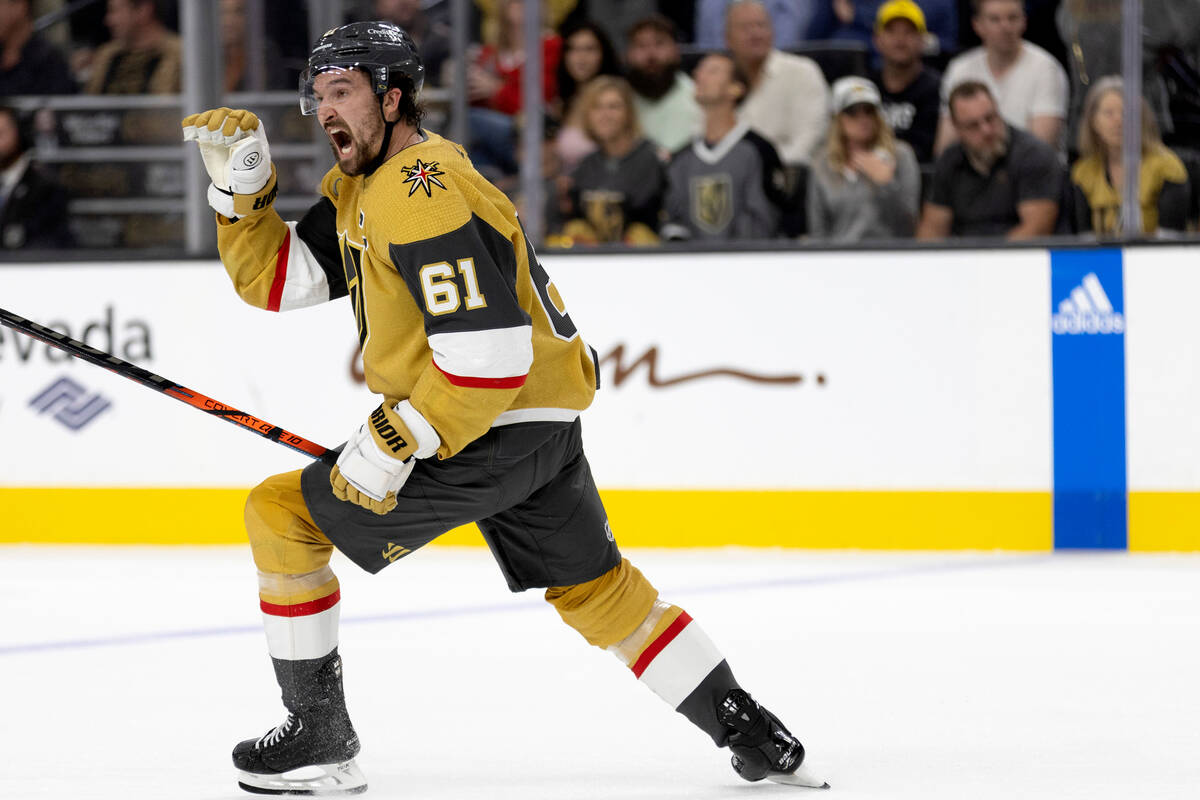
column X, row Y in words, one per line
column 383, row 50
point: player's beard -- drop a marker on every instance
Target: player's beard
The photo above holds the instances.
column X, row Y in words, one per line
column 365, row 146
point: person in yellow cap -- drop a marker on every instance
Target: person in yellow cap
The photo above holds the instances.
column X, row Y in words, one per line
column 858, row 19
column 908, row 89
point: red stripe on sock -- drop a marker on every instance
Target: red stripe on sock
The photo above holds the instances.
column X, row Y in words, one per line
column 515, row 382
column 281, row 265
column 302, row 609
column 656, row 647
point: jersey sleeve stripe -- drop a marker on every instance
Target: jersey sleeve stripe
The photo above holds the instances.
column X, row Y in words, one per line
column 300, row 280
column 514, row 382
column 496, row 353
column 281, row 265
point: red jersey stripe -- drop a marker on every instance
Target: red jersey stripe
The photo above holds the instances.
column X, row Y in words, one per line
column 515, row 382
column 659, row 644
column 281, row 265
column 302, row 609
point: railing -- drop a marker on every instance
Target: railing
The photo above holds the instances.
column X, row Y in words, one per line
column 122, row 160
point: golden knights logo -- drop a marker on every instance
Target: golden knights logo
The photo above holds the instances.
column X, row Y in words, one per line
column 423, row 176
column 712, row 202
column 603, row 209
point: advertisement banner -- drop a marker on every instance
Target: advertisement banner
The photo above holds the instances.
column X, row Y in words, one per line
column 1088, row 331
column 771, row 371
column 897, row 371
column 67, row 423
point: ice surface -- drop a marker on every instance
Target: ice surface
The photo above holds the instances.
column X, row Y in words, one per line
column 130, row 673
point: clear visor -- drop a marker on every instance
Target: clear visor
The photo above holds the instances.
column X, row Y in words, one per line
column 329, row 86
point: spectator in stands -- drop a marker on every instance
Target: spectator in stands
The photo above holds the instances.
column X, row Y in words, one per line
column 1092, row 31
column 238, row 54
column 867, row 185
column 857, row 20
column 663, row 94
column 616, row 193
column 494, row 76
column 144, row 56
column 995, row 180
column 494, row 88
column 729, row 183
column 788, row 101
column 909, row 89
column 429, row 28
column 29, row 65
column 790, row 21
column 587, row 53
column 1027, row 82
column 33, row 207
column 1098, row 176
column 492, row 12
column 616, row 17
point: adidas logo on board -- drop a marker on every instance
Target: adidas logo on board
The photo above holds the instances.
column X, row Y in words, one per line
column 1088, row 310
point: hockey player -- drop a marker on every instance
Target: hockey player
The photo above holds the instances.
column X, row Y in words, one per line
column 482, row 377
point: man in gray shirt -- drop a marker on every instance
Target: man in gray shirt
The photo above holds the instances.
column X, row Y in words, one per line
column 996, row 180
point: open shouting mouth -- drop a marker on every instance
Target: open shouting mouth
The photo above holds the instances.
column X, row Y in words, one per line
column 342, row 144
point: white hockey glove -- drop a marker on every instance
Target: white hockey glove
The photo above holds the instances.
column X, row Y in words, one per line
column 380, row 456
column 234, row 147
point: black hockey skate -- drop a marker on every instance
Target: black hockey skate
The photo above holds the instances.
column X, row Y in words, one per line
column 762, row 747
column 312, row 751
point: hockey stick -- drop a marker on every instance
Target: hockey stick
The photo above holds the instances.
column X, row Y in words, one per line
column 169, row 388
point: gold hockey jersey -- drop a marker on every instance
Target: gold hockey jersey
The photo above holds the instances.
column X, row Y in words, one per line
column 453, row 310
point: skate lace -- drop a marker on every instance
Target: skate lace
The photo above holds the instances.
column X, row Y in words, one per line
column 279, row 731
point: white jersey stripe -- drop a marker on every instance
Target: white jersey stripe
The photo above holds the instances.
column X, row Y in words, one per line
column 536, row 415
column 306, row 284
column 496, row 353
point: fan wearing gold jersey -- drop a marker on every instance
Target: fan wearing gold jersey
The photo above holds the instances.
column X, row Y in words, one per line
column 481, row 375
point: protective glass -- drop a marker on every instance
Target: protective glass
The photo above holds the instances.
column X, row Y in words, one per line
column 329, row 85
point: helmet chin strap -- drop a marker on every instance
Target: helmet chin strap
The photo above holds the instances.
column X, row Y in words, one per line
column 377, row 161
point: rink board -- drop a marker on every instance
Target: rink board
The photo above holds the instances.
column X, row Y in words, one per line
column 876, row 400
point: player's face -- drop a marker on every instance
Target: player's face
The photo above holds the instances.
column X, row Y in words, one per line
column 349, row 112
column 1000, row 24
column 899, row 42
column 1108, row 118
column 979, row 125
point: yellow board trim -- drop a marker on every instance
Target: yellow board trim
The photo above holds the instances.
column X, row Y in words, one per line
column 640, row 518
column 1164, row 521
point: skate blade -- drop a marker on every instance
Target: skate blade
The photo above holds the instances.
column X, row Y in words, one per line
column 322, row 780
column 801, row 777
